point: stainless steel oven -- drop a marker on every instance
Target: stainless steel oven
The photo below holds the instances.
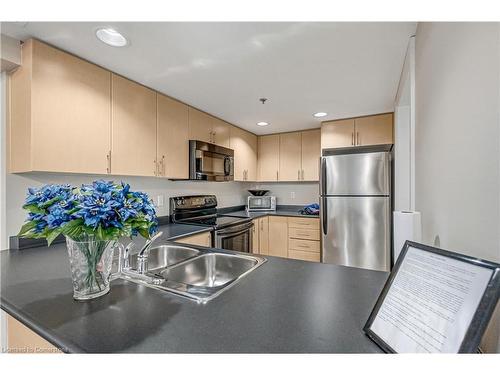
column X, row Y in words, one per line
column 235, row 237
column 228, row 232
column 210, row 162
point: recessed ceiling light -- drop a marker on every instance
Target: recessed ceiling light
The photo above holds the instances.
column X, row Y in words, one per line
column 262, row 123
column 111, row 37
column 320, row 114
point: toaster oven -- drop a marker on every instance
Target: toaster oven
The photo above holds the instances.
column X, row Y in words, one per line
column 262, row 203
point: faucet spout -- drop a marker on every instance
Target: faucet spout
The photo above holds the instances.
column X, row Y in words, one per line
column 142, row 257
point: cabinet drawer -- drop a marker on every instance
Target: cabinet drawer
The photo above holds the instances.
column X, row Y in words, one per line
column 304, row 234
column 303, row 245
column 303, row 222
column 304, row 255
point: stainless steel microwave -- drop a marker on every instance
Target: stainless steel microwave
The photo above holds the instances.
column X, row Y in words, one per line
column 262, row 203
column 210, row 162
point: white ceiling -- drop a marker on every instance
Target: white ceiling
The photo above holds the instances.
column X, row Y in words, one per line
column 345, row 69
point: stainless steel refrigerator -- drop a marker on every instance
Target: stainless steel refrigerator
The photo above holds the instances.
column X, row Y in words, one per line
column 356, row 206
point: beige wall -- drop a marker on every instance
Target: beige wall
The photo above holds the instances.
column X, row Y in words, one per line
column 457, row 155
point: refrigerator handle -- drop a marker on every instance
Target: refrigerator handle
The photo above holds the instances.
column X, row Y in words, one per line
column 324, row 213
column 322, row 176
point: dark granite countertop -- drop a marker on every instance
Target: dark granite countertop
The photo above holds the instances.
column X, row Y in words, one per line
column 280, row 211
column 285, row 306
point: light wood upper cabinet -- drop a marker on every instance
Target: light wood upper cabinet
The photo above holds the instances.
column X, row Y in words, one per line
column 59, row 108
column 278, row 241
column 335, row 134
column 133, row 150
column 172, row 138
column 206, row 128
column 360, row 131
column 311, row 152
column 374, row 130
column 221, row 131
column 290, row 156
column 244, row 145
column 268, row 157
column 200, row 125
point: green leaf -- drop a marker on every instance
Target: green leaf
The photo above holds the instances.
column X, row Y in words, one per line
column 34, row 209
column 27, row 227
column 53, row 235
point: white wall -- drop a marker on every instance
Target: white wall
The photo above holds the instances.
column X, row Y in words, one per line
column 294, row 193
column 404, row 141
column 457, row 138
column 228, row 193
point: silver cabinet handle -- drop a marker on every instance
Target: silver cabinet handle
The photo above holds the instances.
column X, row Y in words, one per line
column 108, row 159
column 352, row 139
column 357, row 139
column 277, row 176
column 302, row 175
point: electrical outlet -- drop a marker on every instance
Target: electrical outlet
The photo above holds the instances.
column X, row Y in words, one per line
column 159, row 200
column 292, row 195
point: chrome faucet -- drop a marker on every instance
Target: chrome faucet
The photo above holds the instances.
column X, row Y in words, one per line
column 142, row 257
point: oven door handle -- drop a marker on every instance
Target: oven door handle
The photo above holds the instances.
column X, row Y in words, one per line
column 228, row 232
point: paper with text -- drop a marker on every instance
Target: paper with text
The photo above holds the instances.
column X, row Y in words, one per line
column 430, row 303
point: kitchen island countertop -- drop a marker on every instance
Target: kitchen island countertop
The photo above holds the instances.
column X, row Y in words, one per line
column 284, row 306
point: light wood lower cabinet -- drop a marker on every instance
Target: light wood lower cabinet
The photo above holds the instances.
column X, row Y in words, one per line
column 304, row 255
column 133, row 146
column 21, row 339
column 278, row 238
column 172, row 138
column 201, row 239
column 255, row 236
column 288, row 237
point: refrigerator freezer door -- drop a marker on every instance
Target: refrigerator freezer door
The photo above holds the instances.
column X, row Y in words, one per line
column 356, row 174
column 356, row 232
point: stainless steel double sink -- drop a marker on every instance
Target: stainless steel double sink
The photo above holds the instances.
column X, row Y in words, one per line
column 196, row 273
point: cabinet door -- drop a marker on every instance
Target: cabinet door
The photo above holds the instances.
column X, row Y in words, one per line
column 374, row 130
column 220, row 132
column 264, row 235
column 70, row 111
column 244, row 145
column 339, row 133
column 268, row 157
column 202, row 239
column 200, row 125
column 133, row 129
column 255, row 236
column 172, row 138
column 311, row 152
column 290, row 156
column 278, row 241
column 22, row 338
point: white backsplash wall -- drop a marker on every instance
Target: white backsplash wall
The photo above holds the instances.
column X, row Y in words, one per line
column 294, row 193
column 228, row 193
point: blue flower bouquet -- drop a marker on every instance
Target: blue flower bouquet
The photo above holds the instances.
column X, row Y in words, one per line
column 92, row 218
